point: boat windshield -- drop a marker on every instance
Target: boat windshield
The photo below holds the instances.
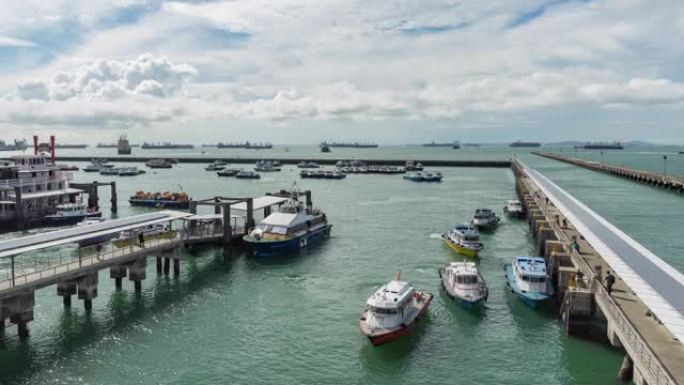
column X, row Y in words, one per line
column 527, row 278
column 471, row 238
column 380, row 310
column 467, row 279
column 275, row 229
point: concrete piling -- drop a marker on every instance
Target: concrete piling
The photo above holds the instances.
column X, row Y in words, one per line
column 626, row 372
column 118, row 272
column 137, row 272
column 159, row 265
column 66, row 289
column 87, row 288
column 20, row 308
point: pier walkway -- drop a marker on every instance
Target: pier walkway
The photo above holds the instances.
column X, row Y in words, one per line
column 645, row 310
column 668, row 182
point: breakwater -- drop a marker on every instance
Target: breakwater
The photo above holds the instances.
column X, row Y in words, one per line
column 667, row 182
column 293, row 161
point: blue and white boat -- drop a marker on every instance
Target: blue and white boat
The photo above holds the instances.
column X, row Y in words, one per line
column 527, row 278
column 292, row 228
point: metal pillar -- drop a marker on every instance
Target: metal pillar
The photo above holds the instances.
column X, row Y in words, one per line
column 309, row 203
column 18, row 208
column 176, row 267
column 217, row 206
column 113, row 197
column 250, row 215
column 92, row 196
column 227, row 230
column 167, row 265
column 159, row 264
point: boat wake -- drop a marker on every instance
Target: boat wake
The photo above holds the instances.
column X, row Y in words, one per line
column 436, row 236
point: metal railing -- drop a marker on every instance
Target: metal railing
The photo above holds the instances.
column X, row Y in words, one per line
column 632, row 340
column 12, row 183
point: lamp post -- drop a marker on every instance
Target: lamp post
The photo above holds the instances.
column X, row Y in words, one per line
column 665, row 165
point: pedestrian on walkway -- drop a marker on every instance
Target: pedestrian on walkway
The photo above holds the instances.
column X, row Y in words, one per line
column 610, row 281
column 141, row 239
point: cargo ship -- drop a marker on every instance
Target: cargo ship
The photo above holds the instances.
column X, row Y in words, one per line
column 123, row 147
column 349, row 145
column 167, row 200
column 525, row 144
column 165, row 146
column 19, row 145
column 436, row 144
column 246, row 145
column 601, row 146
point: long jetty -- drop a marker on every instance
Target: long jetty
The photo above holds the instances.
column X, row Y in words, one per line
column 75, row 270
column 324, row 161
column 668, row 182
column 644, row 311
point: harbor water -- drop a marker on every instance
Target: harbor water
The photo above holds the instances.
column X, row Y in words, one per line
column 233, row 318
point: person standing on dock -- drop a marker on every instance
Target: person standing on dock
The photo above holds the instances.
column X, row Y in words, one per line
column 141, row 239
column 610, row 281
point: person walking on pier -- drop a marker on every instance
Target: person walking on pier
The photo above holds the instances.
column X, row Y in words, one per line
column 610, row 281
column 141, row 239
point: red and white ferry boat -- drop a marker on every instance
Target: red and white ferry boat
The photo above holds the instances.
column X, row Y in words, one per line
column 391, row 311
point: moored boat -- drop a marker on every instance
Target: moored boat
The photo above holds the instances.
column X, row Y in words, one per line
column 247, row 174
column 485, row 219
column 463, row 282
column 217, row 166
column 71, row 213
column 309, row 164
column 527, row 278
column 413, row 166
column 424, row 176
column 109, row 171
column 514, row 209
column 177, row 200
column 391, row 311
column 229, row 172
column 267, row 166
column 130, row 171
column 292, row 228
column 464, row 240
column 159, row 163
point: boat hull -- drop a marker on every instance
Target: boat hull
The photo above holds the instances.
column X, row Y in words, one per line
column 486, row 226
column 514, row 213
column 378, row 339
column 267, row 248
column 465, row 251
column 166, row 204
column 532, row 300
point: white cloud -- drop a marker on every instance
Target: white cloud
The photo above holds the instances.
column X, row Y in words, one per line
column 6, row 41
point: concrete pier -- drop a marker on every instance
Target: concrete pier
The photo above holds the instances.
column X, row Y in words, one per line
column 667, row 182
column 578, row 259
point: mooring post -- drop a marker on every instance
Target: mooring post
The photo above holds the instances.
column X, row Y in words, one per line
column 217, row 206
column 92, row 196
column 113, row 197
column 307, row 193
column 250, row 215
column 227, row 231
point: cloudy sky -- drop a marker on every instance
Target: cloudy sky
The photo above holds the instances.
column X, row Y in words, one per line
column 295, row 71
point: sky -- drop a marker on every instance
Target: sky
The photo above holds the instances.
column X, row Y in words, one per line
column 302, row 71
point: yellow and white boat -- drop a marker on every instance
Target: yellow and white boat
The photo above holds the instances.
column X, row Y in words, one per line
column 464, row 240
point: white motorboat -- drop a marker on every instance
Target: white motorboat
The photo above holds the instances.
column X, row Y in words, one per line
column 514, row 209
column 462, row 282
column 391, row 311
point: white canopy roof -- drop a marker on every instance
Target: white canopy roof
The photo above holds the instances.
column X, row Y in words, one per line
column 259, row 203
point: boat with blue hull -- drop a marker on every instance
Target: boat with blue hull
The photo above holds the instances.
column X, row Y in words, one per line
column 527, row 278
column 292, row 228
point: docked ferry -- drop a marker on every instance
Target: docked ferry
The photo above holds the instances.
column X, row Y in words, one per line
column 463, row 282
column 292, row 228
column 391, row 311
column 464, row 240
column 527, row 278
column 177, row 200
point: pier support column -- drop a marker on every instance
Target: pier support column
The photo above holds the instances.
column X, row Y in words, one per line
column 227, row 230
column 118, row 272
column 612, row 336
column 20, row 309
column 176, row 267
column 114, row 199
column 159, row 265
column 18, row 208
column 137, row 272
column 544, row 234
column 626, row 372
column 87, row 289
column 638, row 377
column 167, row 265
column 3, row 315
column 66, row 289
column 307, row 194
column 249, row 224
column 93, row 199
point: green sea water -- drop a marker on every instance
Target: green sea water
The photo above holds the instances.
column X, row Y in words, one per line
column 234, row 319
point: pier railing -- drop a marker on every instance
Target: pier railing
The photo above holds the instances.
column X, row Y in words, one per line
column 634, row 343
column 37, row 181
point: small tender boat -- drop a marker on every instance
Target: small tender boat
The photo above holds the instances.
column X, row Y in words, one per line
column 527, row 278
column 485, row 219
column 149, row 230
column 66, row 167
column 463, row 282
column 71, row 213
column 178, row 200
column 93, row 167
column 95, row 240
column 229, row 172
column 464, row 240
column 413, row 166
column 391, row 311
column 130, row 171
column 267, row 166
column 514, row 209
column 309, row 164
column 159, row 163
column 247, row 174
column 292, row 228
column 216, row 166
column 424, row 176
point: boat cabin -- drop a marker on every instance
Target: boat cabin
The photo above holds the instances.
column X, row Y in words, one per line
column 484, row 214
column 291, row 219
column 514, row 205
column 386, row 306
column 530, row 273
column 467, row 235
